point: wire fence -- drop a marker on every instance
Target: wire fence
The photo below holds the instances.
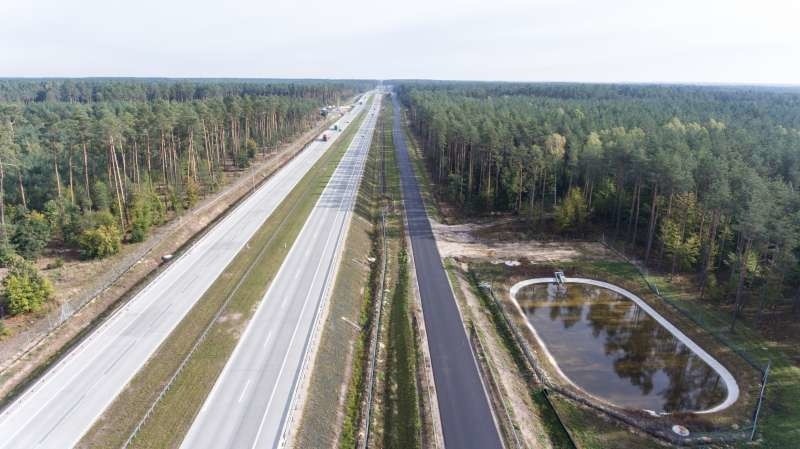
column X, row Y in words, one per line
column 747, row 430
column 713, row 324
column 718, row 327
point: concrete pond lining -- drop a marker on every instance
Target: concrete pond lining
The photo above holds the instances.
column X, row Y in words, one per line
column 730, row 383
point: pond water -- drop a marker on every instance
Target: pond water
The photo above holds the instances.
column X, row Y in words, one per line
column 612, row 349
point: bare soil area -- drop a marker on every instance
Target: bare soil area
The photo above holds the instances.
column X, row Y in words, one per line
column 490, row 241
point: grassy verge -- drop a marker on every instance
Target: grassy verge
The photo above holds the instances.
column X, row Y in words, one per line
column 485, row 359
column 401, row 413
column 241, row 286
column 341, row 344
column 590, row 431
column 391, row 202
column 356, row 402
column 395, row 421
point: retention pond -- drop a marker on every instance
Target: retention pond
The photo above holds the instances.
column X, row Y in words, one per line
column 613, row 346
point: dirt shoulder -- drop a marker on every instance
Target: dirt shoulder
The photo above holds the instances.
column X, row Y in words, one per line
column 91, row 289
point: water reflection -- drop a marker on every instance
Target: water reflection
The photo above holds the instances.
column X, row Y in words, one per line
column 612, row 349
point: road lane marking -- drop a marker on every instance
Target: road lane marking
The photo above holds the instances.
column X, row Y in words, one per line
column 244, row 390
column 266, row 342
column 61, row 419
column 125, row 351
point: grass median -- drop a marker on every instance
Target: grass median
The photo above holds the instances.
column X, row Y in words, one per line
column 393, row 207
column 226, row 307
column 401, row 411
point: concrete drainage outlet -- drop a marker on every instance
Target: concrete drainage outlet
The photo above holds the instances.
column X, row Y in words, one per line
column 680, row 430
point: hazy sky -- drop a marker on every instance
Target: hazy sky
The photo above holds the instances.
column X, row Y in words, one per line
column 719, row 41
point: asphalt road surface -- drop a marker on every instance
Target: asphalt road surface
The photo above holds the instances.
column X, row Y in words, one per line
column 249, row 405
column 467, row 421
column 62, row 405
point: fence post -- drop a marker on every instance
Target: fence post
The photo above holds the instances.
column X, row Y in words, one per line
column 760, row 400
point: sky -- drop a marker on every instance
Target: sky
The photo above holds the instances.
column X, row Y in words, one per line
column 677, row 41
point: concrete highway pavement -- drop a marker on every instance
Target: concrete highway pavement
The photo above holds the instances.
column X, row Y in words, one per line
column 467, row 420
column 62, row 405
column 251, row 403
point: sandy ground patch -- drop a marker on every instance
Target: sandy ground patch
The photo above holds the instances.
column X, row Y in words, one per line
column 469, row 240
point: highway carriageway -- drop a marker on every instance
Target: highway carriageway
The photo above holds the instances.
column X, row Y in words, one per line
column 252, row 401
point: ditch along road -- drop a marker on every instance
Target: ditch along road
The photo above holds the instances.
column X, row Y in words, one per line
column 252, row 401
column 56, row 410
column 464, row 410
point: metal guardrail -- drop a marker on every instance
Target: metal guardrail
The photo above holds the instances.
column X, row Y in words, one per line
column 385, row 260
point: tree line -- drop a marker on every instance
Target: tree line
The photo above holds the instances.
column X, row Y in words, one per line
column 696, row 179
column 90, row 164
column 88, row 90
